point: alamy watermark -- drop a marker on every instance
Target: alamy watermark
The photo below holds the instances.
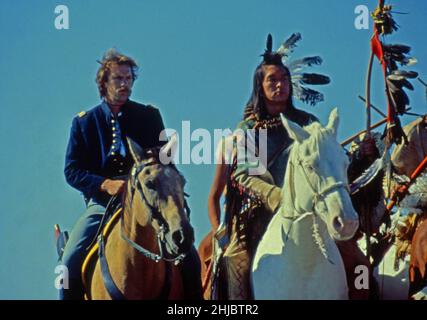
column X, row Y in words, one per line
column 361, row 22
column 361, row 282
column 247, row 147
column 62, row 20
column 62, row 280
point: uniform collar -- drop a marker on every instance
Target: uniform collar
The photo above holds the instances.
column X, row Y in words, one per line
column 107, row 112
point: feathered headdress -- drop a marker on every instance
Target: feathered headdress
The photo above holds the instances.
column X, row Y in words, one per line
column 298, row 78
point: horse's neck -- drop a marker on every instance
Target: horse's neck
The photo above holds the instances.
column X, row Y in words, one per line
column 145, row 236
column 141, row 277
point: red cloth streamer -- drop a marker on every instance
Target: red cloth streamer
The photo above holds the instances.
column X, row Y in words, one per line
column 377, row 49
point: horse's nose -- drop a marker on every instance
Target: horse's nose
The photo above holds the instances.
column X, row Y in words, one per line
column 178, row 237
column 338, row 224
column 182, row 238
column 345, row 227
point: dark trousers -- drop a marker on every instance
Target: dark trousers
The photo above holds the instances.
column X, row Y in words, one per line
column 76, row 249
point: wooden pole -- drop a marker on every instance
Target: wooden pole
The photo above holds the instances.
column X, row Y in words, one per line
column 373, row 107
column 353, row 137
column 374, row 126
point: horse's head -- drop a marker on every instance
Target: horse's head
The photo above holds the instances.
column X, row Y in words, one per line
column 317, row 174
column 156, row 197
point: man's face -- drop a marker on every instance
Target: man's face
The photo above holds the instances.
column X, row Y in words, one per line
column 119, row 84
column 275, row 85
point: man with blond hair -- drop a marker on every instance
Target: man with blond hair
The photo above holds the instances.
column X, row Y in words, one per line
column 97, row 157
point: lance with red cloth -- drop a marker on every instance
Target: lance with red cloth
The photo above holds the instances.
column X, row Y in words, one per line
column 395, row 80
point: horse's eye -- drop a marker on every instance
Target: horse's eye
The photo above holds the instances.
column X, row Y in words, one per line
column 310, row 167
column 150, row 185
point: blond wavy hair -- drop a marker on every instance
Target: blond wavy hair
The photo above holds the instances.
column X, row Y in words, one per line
column 112, row 56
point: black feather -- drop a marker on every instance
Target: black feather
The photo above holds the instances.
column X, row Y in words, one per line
column 406, row 74
column 392, row 87
column 397, row 48
column 407, row 84
column 292, row 40
column 399, row 81
column 307, row 95
column 400, row 100
column 314, row 78
column 287, row 47
column 269, row 45
column 271, row 57
column 307, row 61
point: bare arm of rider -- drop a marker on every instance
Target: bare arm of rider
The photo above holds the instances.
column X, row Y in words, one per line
column 218, row 185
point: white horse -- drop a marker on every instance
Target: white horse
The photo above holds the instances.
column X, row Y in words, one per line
column 297, row 257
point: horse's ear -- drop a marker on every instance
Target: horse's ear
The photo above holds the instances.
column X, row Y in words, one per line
column 334, row 120
column 295, row 132
column 135, row 150
column 167, row 152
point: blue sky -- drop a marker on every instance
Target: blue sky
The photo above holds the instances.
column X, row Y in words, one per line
column 196, row 63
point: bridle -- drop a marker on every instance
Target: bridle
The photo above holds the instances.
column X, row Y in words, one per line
column 318, row 196
column 155, row 216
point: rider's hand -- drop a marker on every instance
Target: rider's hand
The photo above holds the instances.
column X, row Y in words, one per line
column 113, row 187
column 274, row 198
column 399, row 192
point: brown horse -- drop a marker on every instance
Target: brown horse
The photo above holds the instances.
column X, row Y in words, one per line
column 151, row 235
column 418, row 262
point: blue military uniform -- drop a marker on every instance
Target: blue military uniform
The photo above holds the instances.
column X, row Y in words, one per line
column 97, row 150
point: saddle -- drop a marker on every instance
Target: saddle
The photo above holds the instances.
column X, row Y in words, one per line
column 110, row 218
column 93, row 251
column 61, row 237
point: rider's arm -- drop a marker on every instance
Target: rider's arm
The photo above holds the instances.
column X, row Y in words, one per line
column 261, row 185
column 76, row 168
column 268, row 193
column 218, row 185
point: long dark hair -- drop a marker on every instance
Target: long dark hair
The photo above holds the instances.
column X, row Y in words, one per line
column 256, row 104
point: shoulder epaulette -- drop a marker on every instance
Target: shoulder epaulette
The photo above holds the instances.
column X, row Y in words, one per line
column 81, row 114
